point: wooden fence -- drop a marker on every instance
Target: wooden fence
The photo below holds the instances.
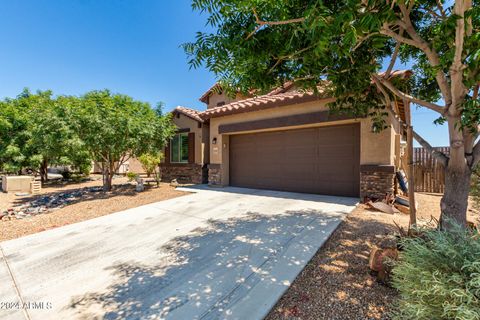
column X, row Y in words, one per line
column 429, row 174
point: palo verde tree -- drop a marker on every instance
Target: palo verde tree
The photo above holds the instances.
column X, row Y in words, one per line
column 261, row 44
column 115, row 127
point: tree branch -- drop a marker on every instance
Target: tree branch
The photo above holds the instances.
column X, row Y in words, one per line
column 457, row 66
column 440, row 156
column 402, row 95
column 394, row 57
column 431, row 54
column 273, row 23
column 440, row 8
column 260, row 23
column 359, row 43
column 290, row 56
column 475, row 91
column 476, row 154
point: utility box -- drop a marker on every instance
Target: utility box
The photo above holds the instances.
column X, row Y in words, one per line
column 17, row 183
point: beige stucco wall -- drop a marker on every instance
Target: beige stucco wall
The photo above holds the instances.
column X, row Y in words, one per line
column 16, row 183
column 375, row 148
column 134, row 165
column 201, row 136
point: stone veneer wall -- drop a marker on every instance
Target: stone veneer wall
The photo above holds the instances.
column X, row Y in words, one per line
column 184, row 173
column 376, row 180
column 214, row 174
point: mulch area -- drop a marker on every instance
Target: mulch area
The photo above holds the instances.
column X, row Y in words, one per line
column 95, row 204
column 336, row 283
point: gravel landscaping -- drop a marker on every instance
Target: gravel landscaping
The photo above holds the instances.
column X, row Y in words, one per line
column 336, row 283
column 63, row 204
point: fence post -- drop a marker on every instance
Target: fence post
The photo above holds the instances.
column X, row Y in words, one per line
column 411, row 178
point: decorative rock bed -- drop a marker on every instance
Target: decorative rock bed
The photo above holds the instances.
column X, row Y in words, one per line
column 47, row 203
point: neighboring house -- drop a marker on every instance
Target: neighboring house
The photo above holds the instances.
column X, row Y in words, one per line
column 285, row 140
column 131, row 165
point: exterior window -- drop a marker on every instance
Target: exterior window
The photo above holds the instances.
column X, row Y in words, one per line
column 179, row 148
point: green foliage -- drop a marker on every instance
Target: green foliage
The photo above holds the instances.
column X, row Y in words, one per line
column 132, row 176
column 150, row 162
column 14, row 123
column 338, row 41
column 438, row 276
column 38, row 130
column 114, row 127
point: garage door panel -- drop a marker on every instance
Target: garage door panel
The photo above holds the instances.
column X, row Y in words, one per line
column 316, row 160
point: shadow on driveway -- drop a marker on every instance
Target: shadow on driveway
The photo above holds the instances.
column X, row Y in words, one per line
column 212, row 271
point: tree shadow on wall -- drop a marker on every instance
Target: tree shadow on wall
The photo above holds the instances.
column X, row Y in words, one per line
column 202, row 275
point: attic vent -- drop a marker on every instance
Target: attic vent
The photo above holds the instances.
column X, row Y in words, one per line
column 221, row 103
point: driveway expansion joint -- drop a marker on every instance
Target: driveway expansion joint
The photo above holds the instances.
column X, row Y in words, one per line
column 14, row 282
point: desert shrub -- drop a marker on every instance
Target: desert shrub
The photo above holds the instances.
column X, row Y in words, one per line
column 132, row 176
column 66, row 175
column 438, row 276
column 150, row 162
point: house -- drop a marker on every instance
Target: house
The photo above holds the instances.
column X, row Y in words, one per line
column 188, row 153
column 131, row 165
column 285, row 140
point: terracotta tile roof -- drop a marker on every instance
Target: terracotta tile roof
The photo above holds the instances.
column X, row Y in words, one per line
column 193, row 114
column 217, row 87
column 284, row 88
column 264, row 102
column 278, row 97
column 404, row 74
column 204, row 97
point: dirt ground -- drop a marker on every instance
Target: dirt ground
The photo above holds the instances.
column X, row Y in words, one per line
column 336, row 283
column 122, row 197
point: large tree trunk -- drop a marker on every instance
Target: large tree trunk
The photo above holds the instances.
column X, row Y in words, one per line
column 44, row 171
column 108, row 172
column 455, row 198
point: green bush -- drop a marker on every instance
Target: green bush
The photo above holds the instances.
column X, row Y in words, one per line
column 150, row 162
column 132, row 176
column 438, row 276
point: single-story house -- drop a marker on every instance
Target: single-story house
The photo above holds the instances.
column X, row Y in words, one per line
column 285, row 140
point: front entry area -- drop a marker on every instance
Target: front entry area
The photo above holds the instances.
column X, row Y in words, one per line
column 322, row 160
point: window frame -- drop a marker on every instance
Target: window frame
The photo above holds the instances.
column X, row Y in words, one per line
column 177, row 136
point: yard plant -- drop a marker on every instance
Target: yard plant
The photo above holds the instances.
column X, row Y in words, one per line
column 438, row 276
column 38, row 130
column 260, row 44
column 151, row 164
column 115, row 128
column 36, row 133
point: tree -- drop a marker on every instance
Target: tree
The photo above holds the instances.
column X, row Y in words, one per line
column 16, row 152
column 114, row 128
column 49, row 130
column 151, row 164
column 261, row 44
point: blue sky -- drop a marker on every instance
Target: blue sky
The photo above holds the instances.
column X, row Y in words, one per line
column 127, row 46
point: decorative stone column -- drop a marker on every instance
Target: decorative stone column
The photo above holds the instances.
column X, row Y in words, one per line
column 215, row 174
column 376, row 180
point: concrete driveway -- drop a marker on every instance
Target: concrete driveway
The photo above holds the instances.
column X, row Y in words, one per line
column 225, row 253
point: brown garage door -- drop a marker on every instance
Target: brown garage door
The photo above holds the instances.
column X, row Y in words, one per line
column 316, row 160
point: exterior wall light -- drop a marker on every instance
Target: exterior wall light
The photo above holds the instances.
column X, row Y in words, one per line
column 214, row 141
